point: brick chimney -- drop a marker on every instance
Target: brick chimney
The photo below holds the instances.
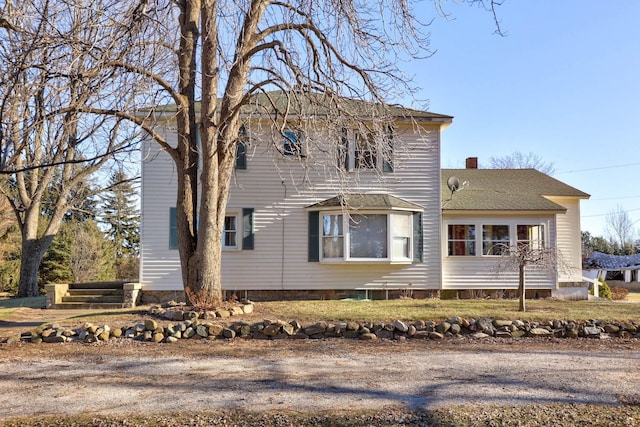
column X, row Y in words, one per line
column 472, row 163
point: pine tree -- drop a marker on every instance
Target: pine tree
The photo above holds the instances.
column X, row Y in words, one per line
column 121, row 218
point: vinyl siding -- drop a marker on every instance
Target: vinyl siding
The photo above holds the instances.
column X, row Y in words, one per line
column 569, row 239
column 159, row 265
column 279, row 189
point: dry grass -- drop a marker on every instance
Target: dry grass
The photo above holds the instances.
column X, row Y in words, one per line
column 434, row 309
column 559, row 415
column 634, row 296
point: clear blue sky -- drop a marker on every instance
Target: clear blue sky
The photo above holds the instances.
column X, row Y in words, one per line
column 564, row 83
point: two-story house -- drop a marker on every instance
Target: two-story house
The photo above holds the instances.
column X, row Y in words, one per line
column 320, row 209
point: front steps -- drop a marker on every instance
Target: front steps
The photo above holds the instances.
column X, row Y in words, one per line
column 92, row 296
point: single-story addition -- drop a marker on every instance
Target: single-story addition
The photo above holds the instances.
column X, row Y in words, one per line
column 374, row 220
column 485, row 211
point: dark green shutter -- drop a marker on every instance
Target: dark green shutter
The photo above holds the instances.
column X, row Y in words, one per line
column 314, row 236
column 418, row 237
column 241, row 149
column 241, row 155
column 173, row 228
column 344, row 149
column 387, row 160
column 247, row 229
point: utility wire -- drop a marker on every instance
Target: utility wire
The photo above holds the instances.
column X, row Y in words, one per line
column 600, row 168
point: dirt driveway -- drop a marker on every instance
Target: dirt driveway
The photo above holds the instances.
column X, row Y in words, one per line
column 124, row 376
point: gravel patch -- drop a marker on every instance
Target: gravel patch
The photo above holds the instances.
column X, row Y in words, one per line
column 123, row 377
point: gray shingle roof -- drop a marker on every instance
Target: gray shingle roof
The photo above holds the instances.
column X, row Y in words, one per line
column 504, row 190
column 366, row 201
column 613, row 262
column 317, row 104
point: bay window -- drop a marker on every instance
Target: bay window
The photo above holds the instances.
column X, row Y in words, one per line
column 332, row 236
column 366, row 237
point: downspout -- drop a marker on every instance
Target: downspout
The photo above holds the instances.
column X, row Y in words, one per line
column 284, row 207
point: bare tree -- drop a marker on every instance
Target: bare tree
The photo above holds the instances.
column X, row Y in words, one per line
column 232, row 55
column 519, row 160
column 620, row 227
column 50, row 143
column 529, row 256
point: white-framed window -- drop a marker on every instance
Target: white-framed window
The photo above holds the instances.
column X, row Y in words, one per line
column 531, row 235
column 332, row 236
column 366, row 237
column 292, row 143
column 230, row 232
column 461, row 240
column 495, row 239
column 365, row 151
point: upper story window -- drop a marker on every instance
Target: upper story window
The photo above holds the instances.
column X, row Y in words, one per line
column 292, row 143
column 241, row 149
column 461, row 239
column 366, row 151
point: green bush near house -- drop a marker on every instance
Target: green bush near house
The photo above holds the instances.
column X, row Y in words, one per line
column 604, row 290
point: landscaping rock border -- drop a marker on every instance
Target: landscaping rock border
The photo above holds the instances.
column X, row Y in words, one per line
column 196, row 325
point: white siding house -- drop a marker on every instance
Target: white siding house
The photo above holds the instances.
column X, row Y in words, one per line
column 295, row 225
column 314, row 211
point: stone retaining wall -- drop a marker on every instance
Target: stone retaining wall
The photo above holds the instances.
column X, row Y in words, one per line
column 216, row 325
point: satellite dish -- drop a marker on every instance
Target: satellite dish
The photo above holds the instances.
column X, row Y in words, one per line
column 453, row 183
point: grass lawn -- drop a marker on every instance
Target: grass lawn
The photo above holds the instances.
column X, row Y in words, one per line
column 634, row 296
column 8, row 306
column 381, row 310
column 434, row 309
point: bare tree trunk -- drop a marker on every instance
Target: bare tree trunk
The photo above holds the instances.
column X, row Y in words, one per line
column 521, row 292
column 33, row 251
column 186, row 155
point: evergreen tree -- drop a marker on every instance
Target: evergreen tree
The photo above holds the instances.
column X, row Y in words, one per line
column 121, row 217
column 56, row 263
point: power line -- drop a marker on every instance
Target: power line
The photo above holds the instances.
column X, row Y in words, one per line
column 601, row 168
column 616, row 198
column 607, row 214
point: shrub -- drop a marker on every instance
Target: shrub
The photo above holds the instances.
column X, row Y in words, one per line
column 603, row 289
column 618, row 293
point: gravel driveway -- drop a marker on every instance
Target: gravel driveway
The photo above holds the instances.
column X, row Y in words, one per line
column 123, row 376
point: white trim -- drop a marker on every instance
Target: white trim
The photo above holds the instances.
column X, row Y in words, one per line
column 346, row 239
